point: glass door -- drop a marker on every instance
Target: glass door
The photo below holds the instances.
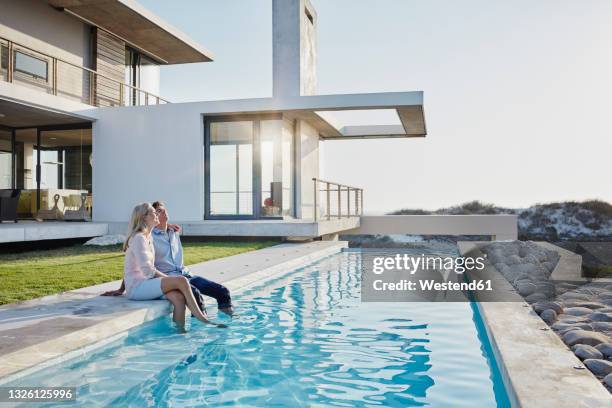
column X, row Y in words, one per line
column 249, row 168
column 230, row 169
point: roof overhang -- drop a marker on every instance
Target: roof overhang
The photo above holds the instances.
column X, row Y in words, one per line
column 139, row 27
column 407, row 105
column 21, row 115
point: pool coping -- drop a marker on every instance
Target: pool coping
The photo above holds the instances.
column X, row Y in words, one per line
column 536, row 366
column 117, row 315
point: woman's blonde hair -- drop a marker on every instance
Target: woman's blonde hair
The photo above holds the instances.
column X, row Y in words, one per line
column 137, row 222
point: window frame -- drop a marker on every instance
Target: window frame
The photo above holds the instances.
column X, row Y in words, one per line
column 31, row 74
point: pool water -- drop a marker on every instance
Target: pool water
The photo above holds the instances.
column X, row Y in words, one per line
column 303, row 339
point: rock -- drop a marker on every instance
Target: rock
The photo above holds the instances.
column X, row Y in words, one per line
column 535, row 297
column 608, row 380
column 525, row 288
column 600, row 368
column 105, row 240
column 577, row 311
column 549, row 316
column 590, row 338
column 575, row 296
column 546, row 288
column 600, row 317
column 583, row 303
column 572, row 319
column 605, row 349
column 602, row 326
column 583, row 352
column 563, row 328
column 539, row 307
column 549, row 265
column 567, row 285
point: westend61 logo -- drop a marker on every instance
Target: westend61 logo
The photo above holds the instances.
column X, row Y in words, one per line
column 406, row 277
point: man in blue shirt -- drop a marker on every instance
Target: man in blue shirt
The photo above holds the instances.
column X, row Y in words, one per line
column 169, row 260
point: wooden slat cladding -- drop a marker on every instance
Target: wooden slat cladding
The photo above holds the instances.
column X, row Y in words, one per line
column 110, row 62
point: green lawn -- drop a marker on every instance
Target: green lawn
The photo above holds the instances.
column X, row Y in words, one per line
column 32, row 274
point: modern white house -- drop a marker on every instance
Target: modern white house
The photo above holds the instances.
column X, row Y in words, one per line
column 80, row 112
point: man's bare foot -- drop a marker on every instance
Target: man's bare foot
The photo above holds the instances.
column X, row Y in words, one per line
column 228, row 311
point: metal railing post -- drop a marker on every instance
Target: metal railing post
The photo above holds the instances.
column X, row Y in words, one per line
column 328, row 203
column 348, row 202
column 339, row 201
column 357, row 202
column 361, row 206
column 314, row 207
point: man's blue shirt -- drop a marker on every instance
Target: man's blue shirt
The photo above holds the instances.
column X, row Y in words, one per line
column 168, row 252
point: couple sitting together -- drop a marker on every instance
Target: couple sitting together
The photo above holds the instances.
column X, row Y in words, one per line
column 154, row 267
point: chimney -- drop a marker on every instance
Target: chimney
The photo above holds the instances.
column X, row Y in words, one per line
column 294, row 49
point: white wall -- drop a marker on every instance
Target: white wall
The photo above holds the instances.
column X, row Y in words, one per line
column 308, row 160
column 147, row 154
column 35, row 24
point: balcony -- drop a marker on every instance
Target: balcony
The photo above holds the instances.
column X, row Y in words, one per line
column 33, row 69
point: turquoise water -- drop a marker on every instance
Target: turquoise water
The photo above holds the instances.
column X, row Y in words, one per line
column 304, row 339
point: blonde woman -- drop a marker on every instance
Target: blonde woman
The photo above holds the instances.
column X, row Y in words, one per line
column 142, row 280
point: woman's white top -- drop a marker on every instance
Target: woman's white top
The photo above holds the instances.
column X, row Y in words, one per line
column 139, row 261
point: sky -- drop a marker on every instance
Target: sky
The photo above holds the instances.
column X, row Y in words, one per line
column 518, row 94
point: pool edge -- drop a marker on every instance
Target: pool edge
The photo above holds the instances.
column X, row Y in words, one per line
column 536, row 366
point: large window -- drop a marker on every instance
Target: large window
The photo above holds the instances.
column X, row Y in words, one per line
column 231, row 168
column 249, row 169
column 45, row 163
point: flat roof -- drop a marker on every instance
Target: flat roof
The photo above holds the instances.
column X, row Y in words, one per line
column 313, row 109
column 139, row 27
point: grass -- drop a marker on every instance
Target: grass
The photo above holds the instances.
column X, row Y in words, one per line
column 36, row 273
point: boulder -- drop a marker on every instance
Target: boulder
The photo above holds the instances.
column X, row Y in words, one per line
column 575, row 296
column 525, row 288
column 583, row 352
column 583, row 303
column 590, row 338
column 563, row 328
column 572, row 319
column 546, row 288
column 600, row 317
column 539, row 307
column 535, row 297
column 605, row 349
column 577, row 311
column 600, row 368
column 602, row 326
column 608, row 380
column 549, row 316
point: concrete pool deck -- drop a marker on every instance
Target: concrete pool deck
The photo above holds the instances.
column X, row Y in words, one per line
column 537, row 367
column 46, row 329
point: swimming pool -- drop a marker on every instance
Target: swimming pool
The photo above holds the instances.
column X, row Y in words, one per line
column 302, row 339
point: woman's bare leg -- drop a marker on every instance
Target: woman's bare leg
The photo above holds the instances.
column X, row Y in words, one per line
column 170, row 283
column 178, row 301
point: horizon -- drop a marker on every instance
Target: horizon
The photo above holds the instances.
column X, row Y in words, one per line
column 534, row 75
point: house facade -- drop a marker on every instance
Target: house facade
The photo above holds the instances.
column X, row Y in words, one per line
column 81, row 118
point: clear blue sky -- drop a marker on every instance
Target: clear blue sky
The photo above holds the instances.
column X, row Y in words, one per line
column 518, row 94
